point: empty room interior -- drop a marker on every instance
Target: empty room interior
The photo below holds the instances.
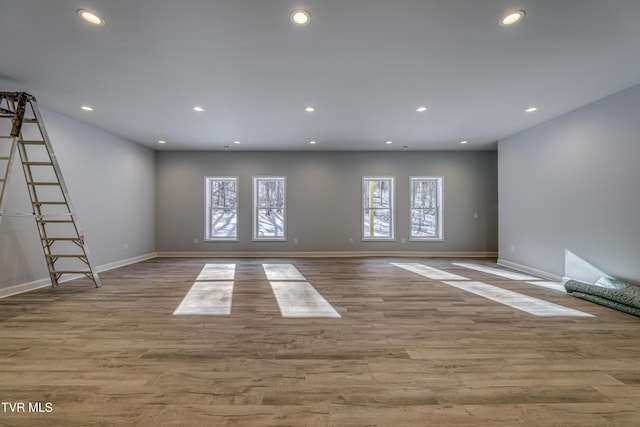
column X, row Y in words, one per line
column 394, row 213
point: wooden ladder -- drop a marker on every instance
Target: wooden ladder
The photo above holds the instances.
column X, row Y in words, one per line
column 22, row 130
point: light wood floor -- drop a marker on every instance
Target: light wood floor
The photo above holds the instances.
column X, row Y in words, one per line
column 407, row 351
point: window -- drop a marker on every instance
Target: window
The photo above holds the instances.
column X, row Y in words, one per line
column 269, row 208
column 378, row 208
column 222, row 208
column 426, row 208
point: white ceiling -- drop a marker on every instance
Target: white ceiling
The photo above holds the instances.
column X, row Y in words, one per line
column 366, row 65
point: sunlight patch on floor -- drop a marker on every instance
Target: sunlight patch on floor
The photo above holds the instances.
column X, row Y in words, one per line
column 496, row 271
column 212, row 298
column 211, row 293
column 217, row 272
column 556, row 286
column 300, row 299
column 429, row 272
column 282, row 272
column 295, row 296
column 525, row 303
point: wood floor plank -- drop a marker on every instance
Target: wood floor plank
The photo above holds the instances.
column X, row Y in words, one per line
column 408, row 350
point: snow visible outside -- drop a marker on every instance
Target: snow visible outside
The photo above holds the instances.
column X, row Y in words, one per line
column 377, row 212
column 270, row 223
column 424, row 207
column 224, row 223
column 270, row 205
column 381, row 223
column 223, row 216
column 424, row 223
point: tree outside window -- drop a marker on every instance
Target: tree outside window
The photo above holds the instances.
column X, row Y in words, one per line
column 221, row 208
column 378, row 215
column 269, row 201
column 426, row 208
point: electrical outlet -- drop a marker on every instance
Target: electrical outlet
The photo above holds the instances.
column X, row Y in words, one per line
column 126, row 246
column 351, row 240
column 403, row 240
column 195, row 240
column 295, row 240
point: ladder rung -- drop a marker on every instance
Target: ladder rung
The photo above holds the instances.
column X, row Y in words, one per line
column 34, row 163
column 67, row 256
column 44, row 183
column 71, row 272
column 32, row 142
column 69, row 239
column 5, row 158
column 40, row 218
column 55, row 221
column 6, row 136
column 49, row 203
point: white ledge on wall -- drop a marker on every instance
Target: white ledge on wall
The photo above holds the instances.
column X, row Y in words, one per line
column 530, row 270
column 43, row 283
column 336, row 254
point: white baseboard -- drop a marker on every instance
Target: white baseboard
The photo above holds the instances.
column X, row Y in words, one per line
column 43, row 283
column 336, row 254
column 124, row 262
column 24, row 287
column 526, row 269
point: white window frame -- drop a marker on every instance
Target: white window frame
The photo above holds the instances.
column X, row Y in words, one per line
column 439, row 208
column 208, row 232
column 391, row 208
column 256, row 208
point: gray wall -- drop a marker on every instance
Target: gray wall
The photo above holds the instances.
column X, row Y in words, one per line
column 573, row 184
column 112, row 186
column 324, row 199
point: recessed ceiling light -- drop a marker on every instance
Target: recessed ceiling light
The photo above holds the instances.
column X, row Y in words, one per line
column 310, row 109
column 198, row 108
column 86, row 108
column 421, row 109
column 312, row 142
column 162, row 142
column 511, row 18
column 300, row 17
column 236, row 142
column 389, row 142
column 464, row 142
column 531, row 110
column 91, row 17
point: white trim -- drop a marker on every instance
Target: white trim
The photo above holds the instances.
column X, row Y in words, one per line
column 440, row 213
column 530, row 270
column 254, row 231
column 43, row 283
column 125, row 262
column 392, row 208
column 337, row 254
column 207, row 209
column 24, row 287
